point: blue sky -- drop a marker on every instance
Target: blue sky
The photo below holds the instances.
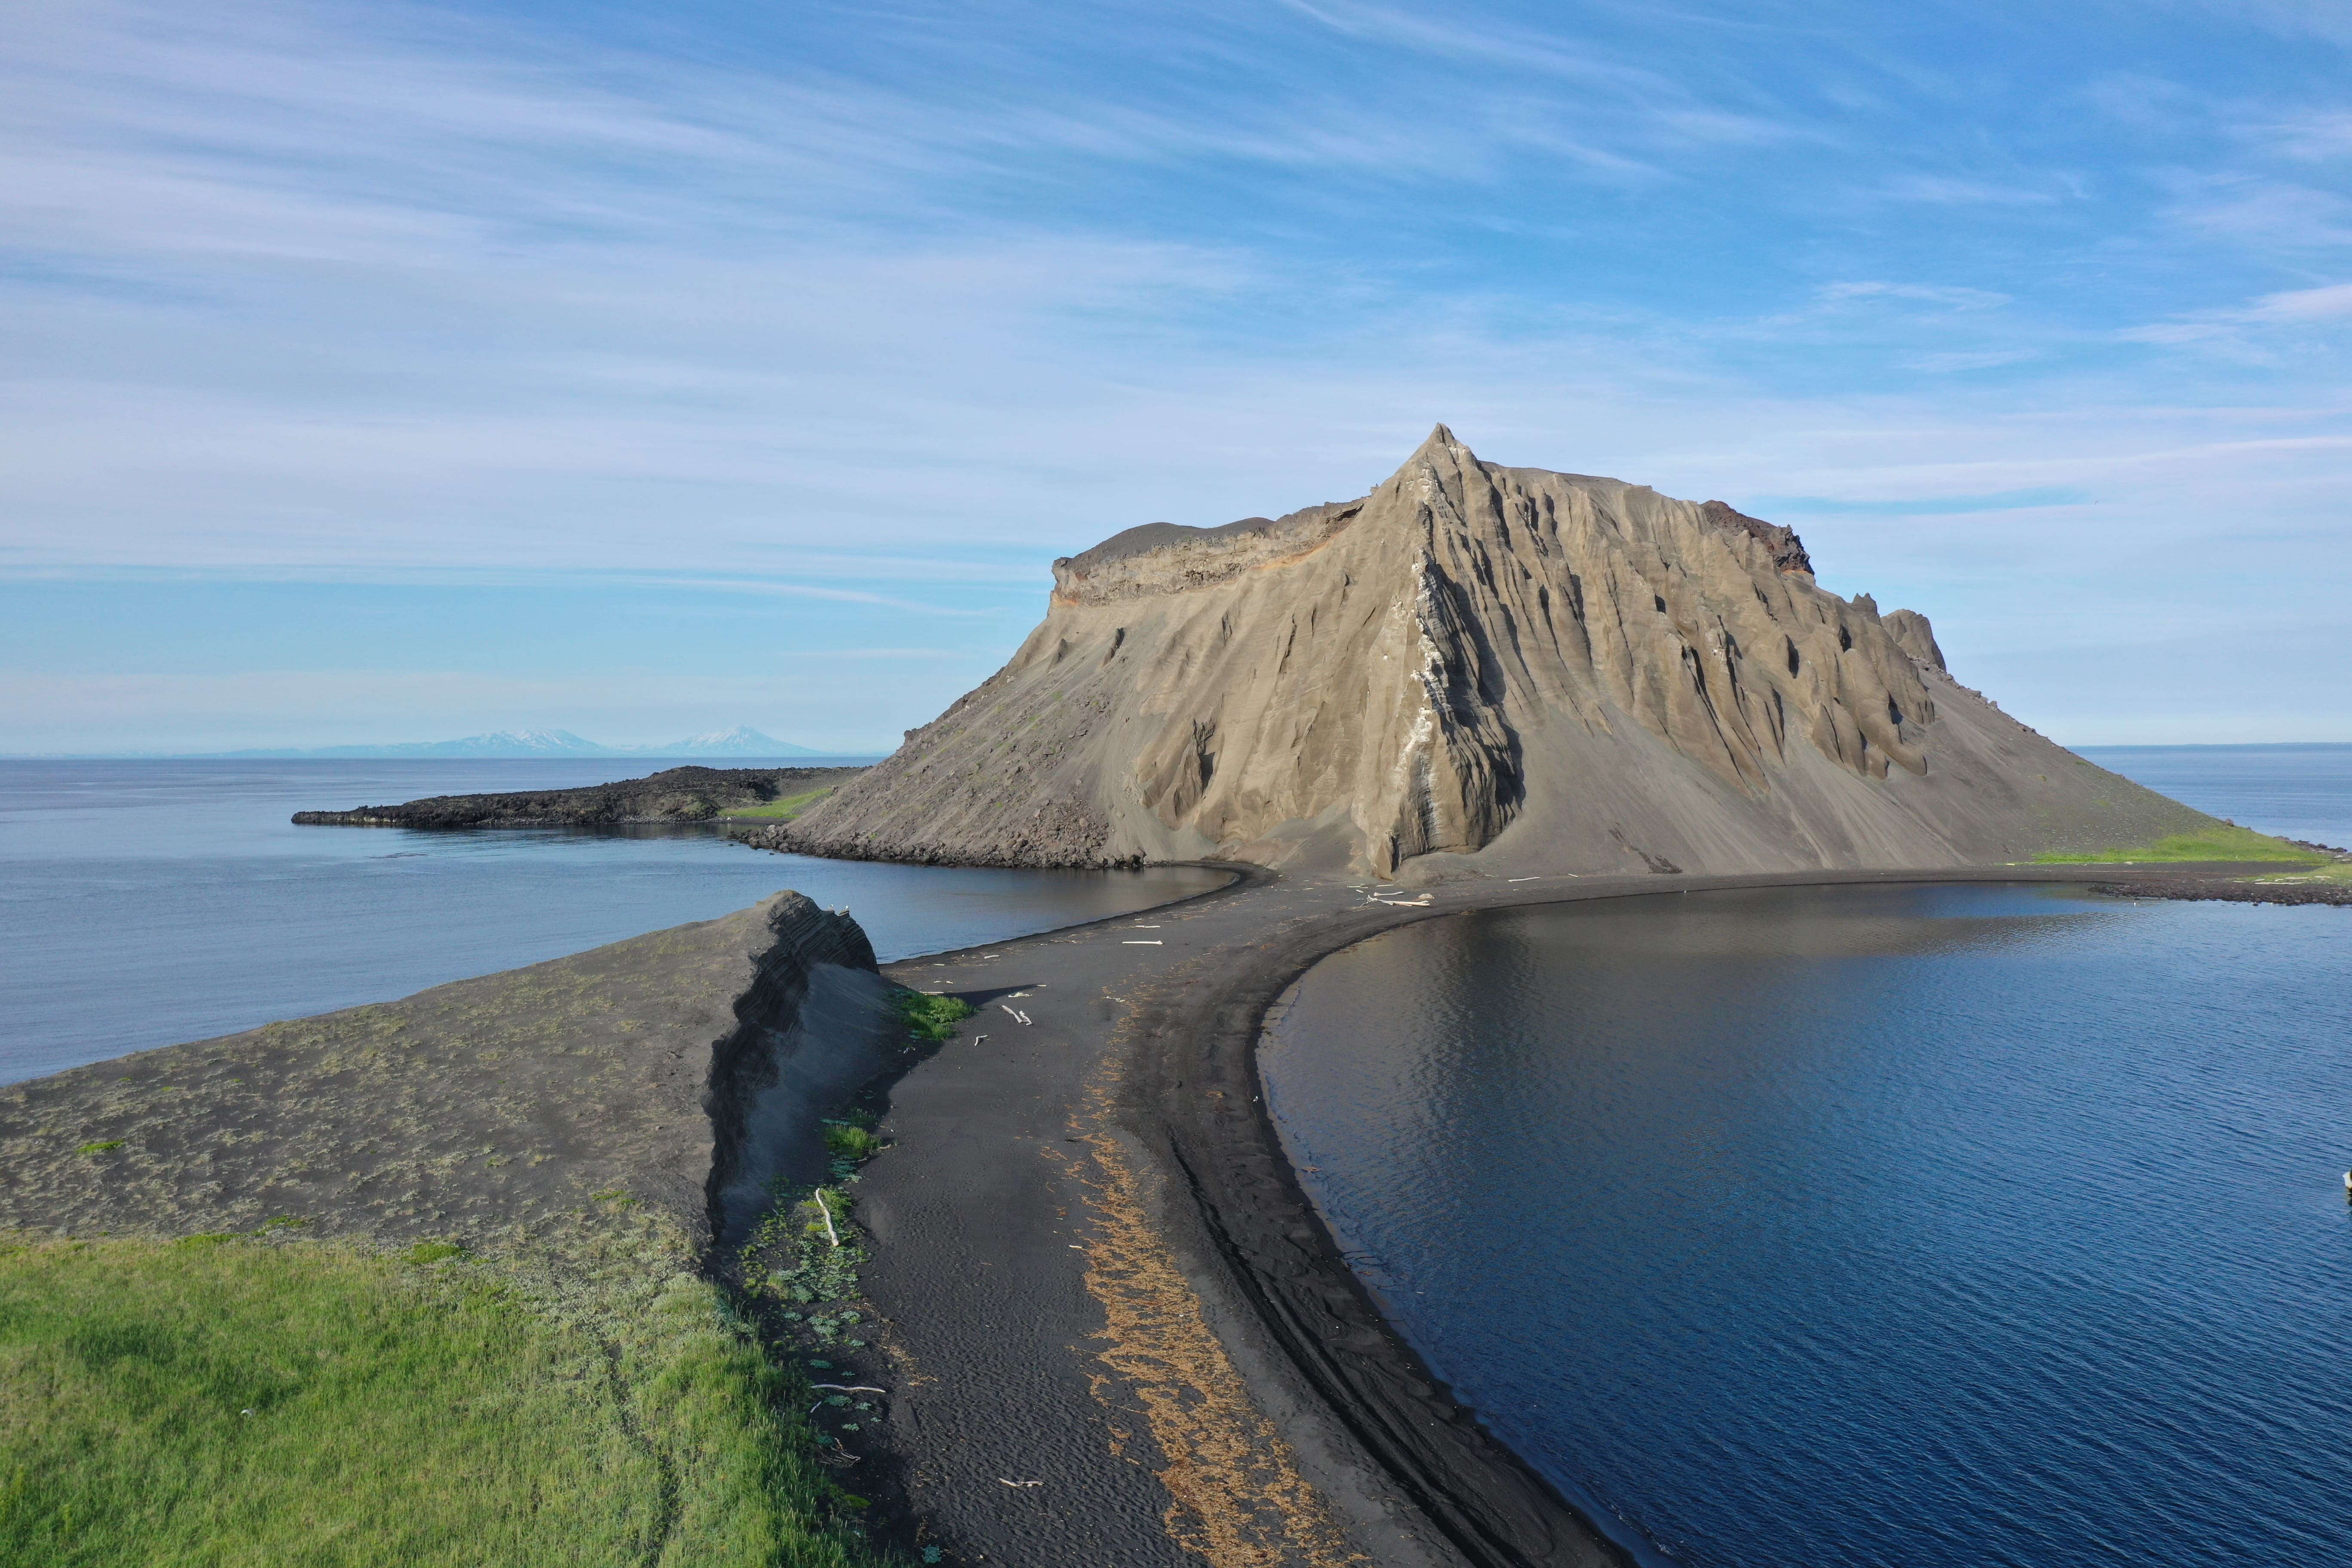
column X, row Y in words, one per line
column 391, row 372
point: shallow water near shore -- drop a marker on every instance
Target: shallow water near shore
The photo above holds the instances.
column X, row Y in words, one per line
column 1805, row 1228
column 144, row 903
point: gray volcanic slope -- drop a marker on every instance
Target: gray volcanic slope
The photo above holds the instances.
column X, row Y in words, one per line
column 1476, row 667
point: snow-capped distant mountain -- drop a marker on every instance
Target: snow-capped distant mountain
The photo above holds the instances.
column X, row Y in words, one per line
column 739, row 741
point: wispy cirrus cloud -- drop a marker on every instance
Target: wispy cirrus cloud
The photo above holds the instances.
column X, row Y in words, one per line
column 1926, row 293
column 1929, row 506
column 2291, row 308
column 1958, row 360
column 2248, row 209
column 1953, row 191
column 842, row 313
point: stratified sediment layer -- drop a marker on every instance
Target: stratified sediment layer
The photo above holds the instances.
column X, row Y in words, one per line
column 1476, row 667
column 681, row 1069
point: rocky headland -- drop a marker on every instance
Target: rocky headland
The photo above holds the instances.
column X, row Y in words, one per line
column 2329, row 882
column 673, row 795
column 1475, row 668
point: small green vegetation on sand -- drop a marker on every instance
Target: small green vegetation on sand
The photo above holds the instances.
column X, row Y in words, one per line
column 239, row 1401
column 933, row 1017
column 783, row 809
column 847, row 1141
column 2220, row 842
column 2335, row 873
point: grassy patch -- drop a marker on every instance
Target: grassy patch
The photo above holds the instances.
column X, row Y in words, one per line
column 2220, row 842
column 783, row 809
column 2335, row 873
column 933, row 1017
column 249, row 1402
column 806, row 1251
column 849, row 1141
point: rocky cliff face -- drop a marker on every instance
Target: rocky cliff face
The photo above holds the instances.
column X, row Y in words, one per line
column 1525, row 668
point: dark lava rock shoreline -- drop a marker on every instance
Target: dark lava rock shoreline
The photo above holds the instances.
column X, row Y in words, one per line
column 2236, row 891
column 2233, row 885
column 673, row 795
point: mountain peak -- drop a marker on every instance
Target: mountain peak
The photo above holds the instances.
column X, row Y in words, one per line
column 742, row 740
column 1442, row 443
column 1544, row 671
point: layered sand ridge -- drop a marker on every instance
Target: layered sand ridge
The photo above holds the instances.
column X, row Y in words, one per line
column 1476, row 667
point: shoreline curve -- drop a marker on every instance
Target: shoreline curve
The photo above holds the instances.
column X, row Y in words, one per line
column 1199, row 1102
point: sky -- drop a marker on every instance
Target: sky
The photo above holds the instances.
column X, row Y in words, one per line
column 386, row 371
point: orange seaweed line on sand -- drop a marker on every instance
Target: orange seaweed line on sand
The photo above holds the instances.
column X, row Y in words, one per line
column 1238, row 1499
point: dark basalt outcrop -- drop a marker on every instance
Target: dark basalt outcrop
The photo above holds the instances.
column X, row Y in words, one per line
column 2233, row 891
column 1475, row 668
column 1788, row 552
column 673, row 795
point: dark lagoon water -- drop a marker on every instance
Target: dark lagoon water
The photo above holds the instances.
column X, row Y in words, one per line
column 1933, row 1227
column 144, row 903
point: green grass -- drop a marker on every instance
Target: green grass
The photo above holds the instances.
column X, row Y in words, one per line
column 851, row 1142
column 2335, row 872
column 796, row 1255
column 2220, row 842
column 933, row 1017
column 783, row 809
column 230, row 1400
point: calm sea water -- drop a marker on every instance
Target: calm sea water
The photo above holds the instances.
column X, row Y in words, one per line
column 2295, row 790
column 1937, row 1227
column 144, row 903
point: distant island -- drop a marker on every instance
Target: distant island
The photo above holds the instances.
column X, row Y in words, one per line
column 739, row 742
column 671, row 795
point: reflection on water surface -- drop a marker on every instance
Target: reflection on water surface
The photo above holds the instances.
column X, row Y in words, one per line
column 1931, row 1226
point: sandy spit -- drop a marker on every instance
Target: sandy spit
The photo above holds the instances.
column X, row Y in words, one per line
column 1119, row 1332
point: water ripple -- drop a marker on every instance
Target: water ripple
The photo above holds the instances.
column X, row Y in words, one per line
column 1867, row 1227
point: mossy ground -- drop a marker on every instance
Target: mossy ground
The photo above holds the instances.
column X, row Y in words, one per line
column 783, row 809
column 2218, row 843
column 248, row 1400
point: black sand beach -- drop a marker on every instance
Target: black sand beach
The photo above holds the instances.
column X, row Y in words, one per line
column 1116, row 1330
column 1113, row 1330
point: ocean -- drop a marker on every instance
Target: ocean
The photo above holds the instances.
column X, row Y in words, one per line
column 2294, row 791
column 1849, row 1228
column 147, row 902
